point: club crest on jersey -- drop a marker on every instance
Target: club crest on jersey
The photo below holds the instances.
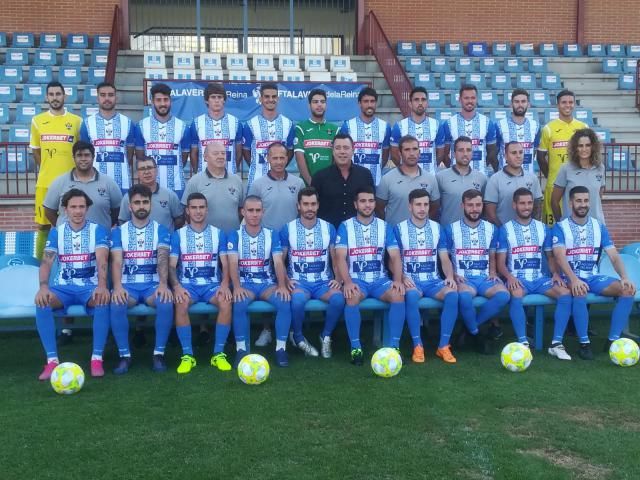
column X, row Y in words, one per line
column 230, row 245
column 232, row 190
column 529, row 185
column 102, row 191
column 476, row 185
column 163, row 203
column 292, row 189
column 599, row 178
column 200, row 245
column 68, row 126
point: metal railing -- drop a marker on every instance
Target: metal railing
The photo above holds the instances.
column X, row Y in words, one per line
column 622, row 168
column 378, row 44
column 114, row 45
column 638, row 84
column 17, row 171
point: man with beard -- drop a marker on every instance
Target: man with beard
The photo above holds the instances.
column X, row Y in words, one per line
column 113, row 136
column 521, row 244
column 518, row 128
column 578, row 242
column 166, row 139
column 139, row 273
column 370, row 135
column 361, row 243
column 53, row 134
column 418, row 125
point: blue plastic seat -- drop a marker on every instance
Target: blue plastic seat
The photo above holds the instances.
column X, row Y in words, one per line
column 584, row 115
column 71, row 94
column 572, row 50
column 537, row 65
column 10, row 75
column 618, row 160
column 633, row 51
column 78, row 40
column 4, row 114
column 501, row 81
column 40, row 74
column 443, row 115
column 450, row 81
column 477, row 79
column 512, row 65
column 632, row 249
column 627, row 81
column 70, row 75
column 33, row 93
column 96, row 75
column 101, row 42
column 604, row 134
column 45, row 57
column 25, row 113
column 19, row 133
column 549, row 50
column 16, row 56
column 540, row 99
column 406, row 48
column 489, row 65
column 99, row 58
column 596, row 50
column 488, row 98
column 90, row 94
column 506, row 98
column 526, row 80
column 439, row 64
column 3, row 40
column 430, row 49
column 501, row 49
column 425, row 80
column 498, row 114
column 73, row 58
column 88, row 110
column 550, row 81
column 7, row 94
column 477, row 49
column 617, row 50
column 453, row 49
column 551, row 114
column 464, row 64
column 415, row 65
column 50, row 40
column 23, row 40
column 611, row 65
column 14, row 159
column 525, row 49
column 630, row 65
column 437, row 99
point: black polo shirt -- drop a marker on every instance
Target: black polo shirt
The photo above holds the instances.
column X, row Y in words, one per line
column 336, row 194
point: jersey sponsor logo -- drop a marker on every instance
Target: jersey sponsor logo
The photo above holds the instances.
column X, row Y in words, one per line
column 477, row 142
column 75, row 257
column 581, row 251
column 472, row 251
column 368, row 145
column 108, row 142
column 264, row 143
column 363, row 251
column 526, row 144
column 562, row 144
column 420, row 252
column 252, row 262
column 525, row 249
column 224, row 141
column 56, row 138
column 307, row 253
column 425, row 143
column 196, row 257
column 138, row 254
column 161, row 146
column 315, row 143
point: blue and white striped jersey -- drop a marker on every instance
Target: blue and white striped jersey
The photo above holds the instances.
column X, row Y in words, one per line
column 258, row 134
column 419, row 247
column 139, row 248
column 111, row 137
column 524, row 245
column 369, row 140
column 76, row 252
column 427, row 135
column 365, row 245
column 206, row 130
column 528, row 134
column 255, row 254
column 469, row 247
column 583, row 244
column 165, row 142
column 308, row 250
column 198, row 254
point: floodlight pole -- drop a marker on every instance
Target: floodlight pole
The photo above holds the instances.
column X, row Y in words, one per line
column 198, row 32
column 245, row 26
column 291, row 27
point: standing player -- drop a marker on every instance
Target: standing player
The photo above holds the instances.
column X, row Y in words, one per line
column 521, row 244
column 139, row 272
column 166, row 139
column 578, row 242
column 53, row 134
column 360, row 246
column 418, row 125
column 421, row 244
column 370, row 134
column 472, row 243
column 309, row 245
column 552, row 151
column 314, row 137
column 216, row 126
column 262, row 130
column 518, row 128
column 254, row 252
column 194, row 274
column 82, row 251
column 469, row 123
column 113, row 136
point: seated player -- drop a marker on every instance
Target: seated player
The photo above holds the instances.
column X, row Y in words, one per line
column 471, row 242
column 421, row 243
column 360, row 245
column 82, row 250
column 520, row 249
column 578, row 242
column 253, row 253
column 195, row 264
column 309, row 245
column 139, row 271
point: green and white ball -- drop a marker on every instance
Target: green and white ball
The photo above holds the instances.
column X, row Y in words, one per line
column 624, row 352
column 67, row 378
column 515, row 357
column 253, row 369
column 386, row 362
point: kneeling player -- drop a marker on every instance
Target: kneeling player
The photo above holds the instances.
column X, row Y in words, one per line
column 360, row 245
column 309, row 244
column 82, row 249
column 253, row 252
column 578, row 241
column 195, row 254
column 520, row 248
column 421, row 244
column 139, row 270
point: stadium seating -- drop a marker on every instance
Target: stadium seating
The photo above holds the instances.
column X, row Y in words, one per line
column 537, row 65
column 453, row 49
column 3, row 40
column 40, row 74
column 33, row 93
column 50, row 40
column 406, row 48
column 633, row 51
column 488, row 99
column 526, row 81
column 477, row 79
column 16, row 160
column 501, row 81
column 7, row 93
column 425, row 80
column 154, row 60
column 266, row 76
column 210, row 74
column 78, row 40
column 618, row 160
column 572, row 50
column 210, row 61
column 99, row 58
column 184, row 61
column 70, row 75
column 23, row 40
column 180, row 74
column 444, row 115
column 71, row 94
column 596, row 50
column 293, row 76
column 499, row 114
column 10, row 75
column 525, row 49
column 88, row 110
column 437, row 99
column 501, row 49
column 477, row 49
column 239, row 75
column 101, row 42
column 315, row 76
column 346, row 77
column 616, row 50
column 549, row 50
column 611, row 65
column 540, row 99
column 550, row 81
column 450, row 81
column 584, row 115
column 315, row 63
column 340, row 63
column 430, row 49
column 96, row 75
column 4, row 114
column 19, row 133
column 263, row 62
column 512, row 65
column 45, row 57
column 289, row 63
column 156, row 73
column 632, row 249
column 627, row 82
column 439, row 64
column 73, row 58
column 630, row 65
column 604, row 134
column 415, row 65
column 17, row 57
column 464, row 65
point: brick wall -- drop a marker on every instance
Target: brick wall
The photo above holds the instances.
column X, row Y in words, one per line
column 621, row 217
column 16, row 217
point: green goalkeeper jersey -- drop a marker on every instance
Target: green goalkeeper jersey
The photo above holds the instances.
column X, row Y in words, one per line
column 315, row 141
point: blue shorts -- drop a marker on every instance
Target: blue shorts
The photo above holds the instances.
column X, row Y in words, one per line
column 73, row 295
column 314, row 289
column 480, row 284
column 257, row 288
column 597, row 283
column 373, row 289
column 140, row 292
column 430, row 288
column 201, row 293
column 539, row 286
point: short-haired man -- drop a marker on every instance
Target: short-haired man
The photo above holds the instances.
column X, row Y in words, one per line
column 469, row 123
column 370, row 134
column 253, row 253
column 104, row 192
column 308, row 243
column 82, row 251
column 396, row 185
column 139, row 273
column 166, row 138
column 166, row 208
column 498, row 194
column 53, row 134
column 457, row 179
column 418, row 125
column 262, row 130
column 578, row 242
column 314, row 137
column 522, row 242
column 216, row 126
column 112, row 134
column 518, row 128
column 361, row 243
column 421, row 244
column 199, row 273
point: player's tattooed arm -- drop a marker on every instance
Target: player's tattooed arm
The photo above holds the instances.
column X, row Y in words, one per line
column 163, row 266
column 173, row 273
column 101, row 295
column 44, row 295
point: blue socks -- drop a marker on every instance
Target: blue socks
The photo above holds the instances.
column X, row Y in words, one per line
column 620, row 316
column 396, row 322
column 240, row 320
column 120, row 328
column 447, row 318
column 518, row 319
column 298, row 302
column 561, row 317
column 412, row 297
column 334, row 311
column 164, row 322
column 352, row 319
column 46, row 325
column 184, row 335
column 465, row 300
column 100, row 328
column 492, row 307
column 283, row 317
column 222, row 332
column 581, row 318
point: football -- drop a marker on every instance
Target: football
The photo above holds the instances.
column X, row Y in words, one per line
column 624, row 352
column 515, row 357
column 386, row 362
column 253, row 369
column 67, row 378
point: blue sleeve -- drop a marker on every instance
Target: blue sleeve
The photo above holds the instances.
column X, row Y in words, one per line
column 395, row 135
column 232, row 242
column 490, row 139
column 247, row 137
column 185, row 142
column 131, row 136
column 499, row 138
column 139, row 142
column 275, row 243
column 605, row 239
column 164, row 237
column 503, row 243
column 175, row 245
column 239, row 131
column 494, row 239
column 442, row 241
column 448, row 237
column 345, row 128
column 444, row 135
column 332, row 235
column 396, row 233
column 387, row 137
column 84, row 133
column 102, row 237
column 536, row 140
column 116, row 239
column 557, row 237
column 341, row 236
column 291, row 136
column 222, row 243
column 547, row 245
column 284, row 237
column 390, row 239
column 52, row 240
column 195, row 139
